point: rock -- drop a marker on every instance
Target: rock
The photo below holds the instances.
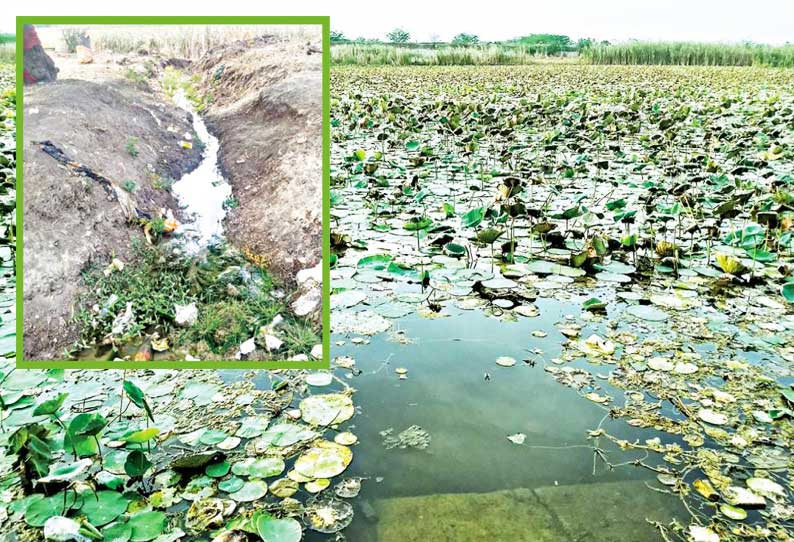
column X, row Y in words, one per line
column 186, row 315
column 39, row 67
column 247, row 347
column 308, row 303
column 317, row 351
column 313, row 273
column 272, row 343
column 84, row 54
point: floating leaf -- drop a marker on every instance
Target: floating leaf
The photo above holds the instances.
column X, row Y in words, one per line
column 324, row 460
column 137, row 464
column 271, row 529
column 50, row 407
column 104, row 507
column 250, row 491
column 327, row 409
column 147, row 526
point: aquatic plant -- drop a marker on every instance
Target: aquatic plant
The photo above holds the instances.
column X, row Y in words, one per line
column 641, row 212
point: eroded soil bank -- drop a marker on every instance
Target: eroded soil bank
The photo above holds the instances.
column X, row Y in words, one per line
column 266, row 106
column 71, row 221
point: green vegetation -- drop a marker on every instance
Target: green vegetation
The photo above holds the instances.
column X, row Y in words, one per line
column 7, row 206
column 398, row 35
column 129, row 185
column 465, row 39
column 74, row 36
column 546, row 44
column 174, row 80
column 152, row 282
column 387, row 55
column 132, row 146
column 691, row 54
column 7, row 53
column 162, row 182
column 126, row 300
column 164, row 453
column 467, row 49
column 639, row 217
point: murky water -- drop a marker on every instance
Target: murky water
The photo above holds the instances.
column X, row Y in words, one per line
column 203, row 191
column 469, row 418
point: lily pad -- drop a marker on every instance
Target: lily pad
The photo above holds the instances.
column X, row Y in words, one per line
column 250, row 491
column 104, row 507
column 147, row 526
column 647, row 312
column 324, row 460
column 322, row 410
column 271, row 529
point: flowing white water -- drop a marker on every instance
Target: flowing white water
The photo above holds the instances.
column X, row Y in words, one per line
column 203, row 191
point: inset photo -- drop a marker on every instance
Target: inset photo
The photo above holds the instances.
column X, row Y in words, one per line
column 170, row 191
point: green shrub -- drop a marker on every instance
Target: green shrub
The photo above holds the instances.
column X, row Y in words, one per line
column 153, row 281
column 132, row 146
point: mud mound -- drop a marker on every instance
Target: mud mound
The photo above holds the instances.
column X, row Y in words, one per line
column 70, row 220
column 267, row 113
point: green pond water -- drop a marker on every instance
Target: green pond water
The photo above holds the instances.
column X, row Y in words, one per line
column 469, row 458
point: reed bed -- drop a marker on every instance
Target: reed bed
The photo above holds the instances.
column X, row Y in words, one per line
column 7, row 53
column 185, row 41
column 394, row 55
column 691, row 54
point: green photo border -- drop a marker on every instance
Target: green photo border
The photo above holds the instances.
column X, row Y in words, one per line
column 323, row 363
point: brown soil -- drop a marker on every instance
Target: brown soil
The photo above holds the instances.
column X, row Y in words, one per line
column 69, row 220
column 266, row 111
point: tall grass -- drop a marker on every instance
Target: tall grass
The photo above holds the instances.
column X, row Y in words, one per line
column 7, row 53
column 691, row 54
column 391, row 55
column 185, row 41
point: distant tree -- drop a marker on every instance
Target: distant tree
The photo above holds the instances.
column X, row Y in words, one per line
column 584, row 43
column 398, row 35
column 551, row 44
column 337, row 37
column 465, row 39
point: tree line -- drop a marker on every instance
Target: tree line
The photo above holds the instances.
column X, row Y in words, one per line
column 534, row 43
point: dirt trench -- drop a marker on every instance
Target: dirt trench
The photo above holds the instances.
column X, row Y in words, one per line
column 266, row 110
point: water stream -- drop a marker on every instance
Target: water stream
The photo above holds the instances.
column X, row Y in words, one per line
column 203, row 191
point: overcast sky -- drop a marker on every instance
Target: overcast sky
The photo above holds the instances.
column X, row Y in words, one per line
column 766, row 21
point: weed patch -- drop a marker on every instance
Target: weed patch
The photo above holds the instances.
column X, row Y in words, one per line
column 234, row 298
